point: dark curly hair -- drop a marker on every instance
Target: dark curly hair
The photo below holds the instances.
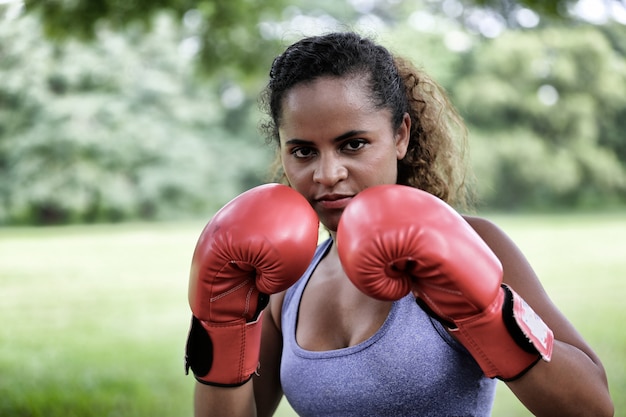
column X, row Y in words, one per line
column 436, row 158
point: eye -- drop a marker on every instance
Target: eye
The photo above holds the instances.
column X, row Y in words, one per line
column 302, row 152
column 354, row 144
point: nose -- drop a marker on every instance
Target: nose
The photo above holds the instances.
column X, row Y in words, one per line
column 330, row 170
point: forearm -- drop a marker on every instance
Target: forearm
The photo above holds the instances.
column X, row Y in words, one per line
column 224, row 402
column 571, row 384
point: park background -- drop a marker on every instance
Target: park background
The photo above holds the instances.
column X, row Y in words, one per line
column 125, row 125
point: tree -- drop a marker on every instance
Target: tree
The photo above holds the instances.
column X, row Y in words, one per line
column 229, row 34
column 112, row 131
column 120, row 127
column 546, row 109
column 225, row 32
column 549, row 8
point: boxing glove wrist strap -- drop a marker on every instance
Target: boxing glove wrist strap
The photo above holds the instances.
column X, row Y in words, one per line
column 506, row 340
column 223, row 354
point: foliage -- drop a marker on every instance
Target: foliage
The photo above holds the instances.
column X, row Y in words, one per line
column 115, row 130
column 546, row 108
column 229, row 34
column 551, row 8
column 124, row 126
column 225, row 32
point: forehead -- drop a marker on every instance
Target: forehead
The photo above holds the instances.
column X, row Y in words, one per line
column 329, row 107
column 348, row 93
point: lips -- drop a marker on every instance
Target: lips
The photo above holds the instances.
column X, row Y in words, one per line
column 334, row 202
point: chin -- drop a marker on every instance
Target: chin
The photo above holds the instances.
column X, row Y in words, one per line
column 330, row 223
column 329, row 218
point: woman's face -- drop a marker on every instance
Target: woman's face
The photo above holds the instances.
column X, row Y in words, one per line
column 334, row 143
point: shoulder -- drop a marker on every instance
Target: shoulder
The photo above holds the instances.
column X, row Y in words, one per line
column 485, row 228
column 518, row 272
column 499, row 242
column 275, row 308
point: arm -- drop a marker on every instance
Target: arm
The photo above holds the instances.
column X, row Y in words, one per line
column 395, row 239
column 258, row 244
column 574, row 381
column 259, row 396
column 267, row 388
column 224, row 402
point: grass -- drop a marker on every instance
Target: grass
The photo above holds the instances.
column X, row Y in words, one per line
column 582, row 264
column 94, row 318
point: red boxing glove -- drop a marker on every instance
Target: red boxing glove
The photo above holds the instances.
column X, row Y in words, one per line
column 258, row 244
column 394, row 239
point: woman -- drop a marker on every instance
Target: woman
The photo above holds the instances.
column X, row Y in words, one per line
column 347, row 116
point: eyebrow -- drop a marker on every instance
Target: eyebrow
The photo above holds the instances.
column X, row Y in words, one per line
column 342, row 137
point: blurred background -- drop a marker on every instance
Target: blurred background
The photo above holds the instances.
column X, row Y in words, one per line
column 124, row 125
column 114, row 111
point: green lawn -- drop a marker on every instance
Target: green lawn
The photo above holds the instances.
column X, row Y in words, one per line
column 94, row 319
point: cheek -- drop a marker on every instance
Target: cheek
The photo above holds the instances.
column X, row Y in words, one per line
column 386, row 167
column 392, row 172
column 293, row 173
column 285, row 165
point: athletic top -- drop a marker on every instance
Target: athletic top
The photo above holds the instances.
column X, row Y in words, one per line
column 410, row 367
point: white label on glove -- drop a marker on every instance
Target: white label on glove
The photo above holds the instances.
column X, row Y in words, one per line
column 533, row 327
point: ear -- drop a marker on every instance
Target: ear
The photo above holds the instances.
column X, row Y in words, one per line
column 402, row 136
